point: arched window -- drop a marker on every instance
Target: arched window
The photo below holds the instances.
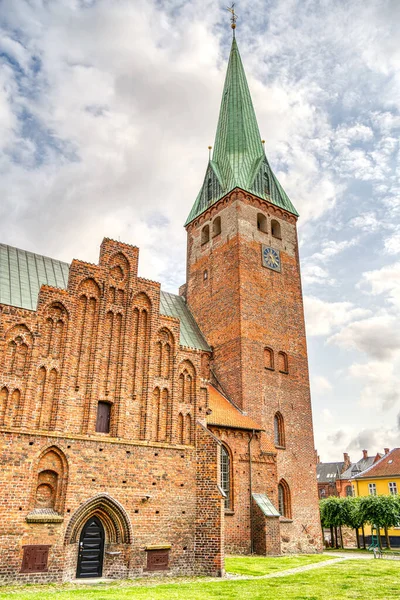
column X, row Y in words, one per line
column 322, row 493
column 284, row 503
column 216, row 226
column 269, row 358
column 209, row 190
column 276, row 229
column 283, row 364
column 266, row 182
column 226, row 476
column 205, row 234
column 279, row 431
column 262, row 223
column 349, row 490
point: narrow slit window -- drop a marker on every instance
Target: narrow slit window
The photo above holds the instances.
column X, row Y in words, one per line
column 279, row 431
column 226, row 476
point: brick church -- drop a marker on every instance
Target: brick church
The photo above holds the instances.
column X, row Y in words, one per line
column 143, row 431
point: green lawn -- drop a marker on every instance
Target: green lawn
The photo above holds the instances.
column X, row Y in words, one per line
column 259, row 565
column 347, row 580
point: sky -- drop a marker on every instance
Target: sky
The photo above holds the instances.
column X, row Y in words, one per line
column 107, row 108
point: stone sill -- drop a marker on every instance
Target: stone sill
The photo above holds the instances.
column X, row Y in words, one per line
column 43, row 518
column 280, row 447
column 269, row 368
column 285, row 520
column 229, row 512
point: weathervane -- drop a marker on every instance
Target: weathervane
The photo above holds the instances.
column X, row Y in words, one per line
column 233, row 17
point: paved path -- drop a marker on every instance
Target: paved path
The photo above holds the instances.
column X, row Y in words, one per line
column 318, row 565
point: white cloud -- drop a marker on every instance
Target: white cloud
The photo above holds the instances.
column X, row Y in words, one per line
column 320, row 384
column 323, row 317
column 377, row 336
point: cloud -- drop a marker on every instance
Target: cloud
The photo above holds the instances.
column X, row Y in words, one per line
column 320, row 384
column 323, row 317
column 385, row 280
column 377, row 336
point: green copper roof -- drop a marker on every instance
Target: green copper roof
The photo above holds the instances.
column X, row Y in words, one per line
column 23, row 273
column 238, row 157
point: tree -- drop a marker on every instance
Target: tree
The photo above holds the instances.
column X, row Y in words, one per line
column 353, row 517
column 381, row 511
column 332, row 516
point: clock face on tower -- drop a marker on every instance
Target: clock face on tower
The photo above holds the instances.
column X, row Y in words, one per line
column 271, row 258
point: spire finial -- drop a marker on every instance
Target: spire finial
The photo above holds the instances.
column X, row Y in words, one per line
column 233, row 17
column 209, row 152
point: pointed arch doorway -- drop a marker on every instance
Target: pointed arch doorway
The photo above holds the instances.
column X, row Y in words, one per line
column 91, row 549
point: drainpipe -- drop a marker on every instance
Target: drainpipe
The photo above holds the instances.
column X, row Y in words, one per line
column 251, row 496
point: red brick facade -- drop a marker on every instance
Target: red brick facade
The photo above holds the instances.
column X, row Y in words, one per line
column 152, row 480
column 253, row 318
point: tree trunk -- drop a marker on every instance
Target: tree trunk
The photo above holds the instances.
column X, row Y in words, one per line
column 332, row 540
column 341, row 536
column 336, row 538
column 387, row 538
column 378, row 529
column 363, row 534
column 358, row 537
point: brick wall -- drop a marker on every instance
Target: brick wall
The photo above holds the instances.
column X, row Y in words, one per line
column 243, row 307
column 102, row 339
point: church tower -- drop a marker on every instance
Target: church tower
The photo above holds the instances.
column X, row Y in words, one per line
column 244, row 290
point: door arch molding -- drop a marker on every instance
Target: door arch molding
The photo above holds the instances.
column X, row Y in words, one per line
column 111, row 513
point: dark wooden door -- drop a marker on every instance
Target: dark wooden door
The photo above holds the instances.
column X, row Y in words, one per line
column 103, row 417
column 91, row 549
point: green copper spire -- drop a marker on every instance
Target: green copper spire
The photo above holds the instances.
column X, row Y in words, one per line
column 238, row 158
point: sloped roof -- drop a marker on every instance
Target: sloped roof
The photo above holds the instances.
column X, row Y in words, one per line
column 238, row 159
column 329, row 472
column 225, row 414
column 387, row 466
column 172, row 305
column 358, row 467
column 22, row 274
column 266, row 505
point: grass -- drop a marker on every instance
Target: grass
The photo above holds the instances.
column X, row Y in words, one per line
column 259, row 565
column 350, row 580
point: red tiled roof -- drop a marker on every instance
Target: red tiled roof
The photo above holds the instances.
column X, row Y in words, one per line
column 225, row 414
column 388, row 466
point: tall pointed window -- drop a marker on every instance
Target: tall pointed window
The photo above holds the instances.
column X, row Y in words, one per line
column 226, row 476
column 284, row 502
column 279, row 431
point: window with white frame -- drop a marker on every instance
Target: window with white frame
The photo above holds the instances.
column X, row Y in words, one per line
column 393, row 488
column 372, row 489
